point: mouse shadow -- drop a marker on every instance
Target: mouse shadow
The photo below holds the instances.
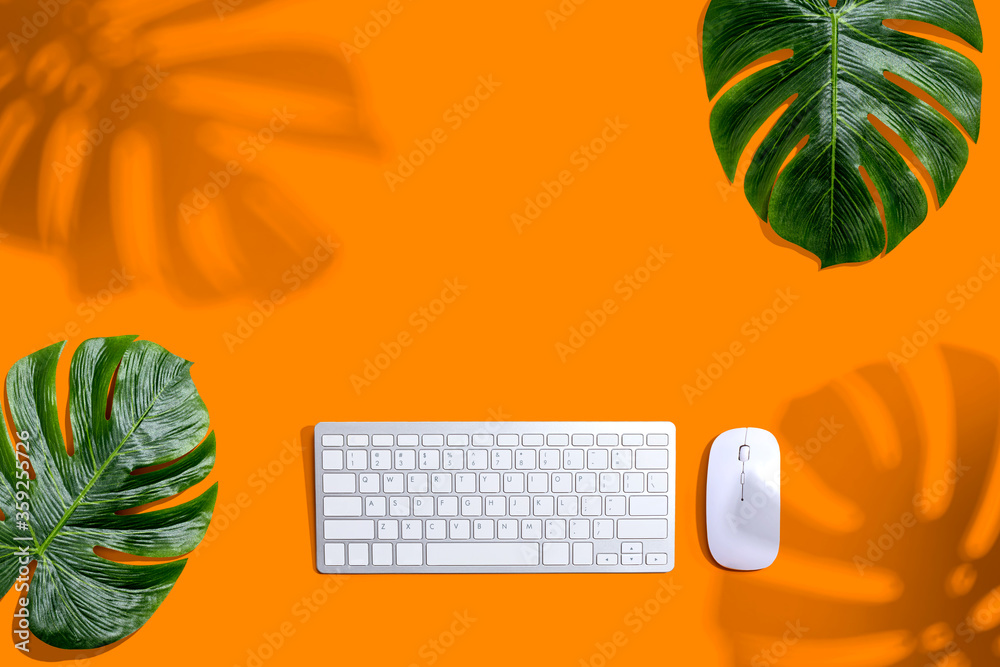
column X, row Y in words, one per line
column 307, row 437
column 888, row 547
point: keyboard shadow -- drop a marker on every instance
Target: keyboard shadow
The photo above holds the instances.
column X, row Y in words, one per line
column 306, row 436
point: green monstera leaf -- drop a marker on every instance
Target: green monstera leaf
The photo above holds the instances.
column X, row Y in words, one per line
column 840, row 74
column 132, row 405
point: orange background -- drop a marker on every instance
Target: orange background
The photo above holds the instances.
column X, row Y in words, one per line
column 492, row 353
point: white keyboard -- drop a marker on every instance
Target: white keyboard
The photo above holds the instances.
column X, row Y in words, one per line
column 424, row 497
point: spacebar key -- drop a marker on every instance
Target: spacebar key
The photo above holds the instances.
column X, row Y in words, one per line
column 525, row 554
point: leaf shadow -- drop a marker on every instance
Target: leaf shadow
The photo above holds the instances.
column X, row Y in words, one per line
column 866, row 586
column 170, row 187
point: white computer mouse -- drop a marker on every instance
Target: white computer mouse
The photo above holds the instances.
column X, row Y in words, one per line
column 743, row 499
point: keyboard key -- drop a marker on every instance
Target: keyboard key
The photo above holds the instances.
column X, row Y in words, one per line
column 392, row 483
column 368, row 483
column 525, row 459
column 651, row 459
column 614, row 505
column 333, row 460
column 388, row 529
column 658, row 482
column 579, row 529
column 416, row 482
column 656, row 439
column 459, row 529
column 592, row 506
column 342, row 506
column 335, row 440
column 562, row 482
column 621, row 459
column 597, row 459
column 410, row 554
column 381, row 460
column 357, row 440
column 520, row 506
column 604, row 529
column 476, row 554
column 583, row 553
column 357, row 554
column 555, row 529
column 482, row 440
column 413, row 530
column 375, row 507
column 482, row 529
column 454, row 459
column 447, row 506
column 610, row 482
column 538, row 482
column 408, row 440
column 647, row 506
column 382, row 440
column 583, row 439
column 642, row 528
column 532, row 440
column 496, row 506
column 544, row 506
column 436, row 529
column 631, row 547
column 633, row 482
column 423, row 506
column 631, row 559
column 478, row 460
column 555, row 553
column 607, row 559
column 507, row 529
column 339, row 483
column 406, row 459
column 632, row 439
column 573, row 459
column 441, row 482
column 531, row 529
column 429, row 459
column 399, row 507
column 607, row 440
column 489, row 482
column 586, row 482
column 567, row 505
column 334, row 554
column 382, row 554
column 558, row 440
column 344, row 529
column 513, row 482
column 458, row 440
column 502, row 459
column 507, row 440
column 549, row 460
column 433, row 440
column 656, row 559
column 465, row 482
column 357, row 460
column 472, row 506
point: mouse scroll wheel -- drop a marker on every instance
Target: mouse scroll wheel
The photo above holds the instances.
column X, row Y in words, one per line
column 745, row 453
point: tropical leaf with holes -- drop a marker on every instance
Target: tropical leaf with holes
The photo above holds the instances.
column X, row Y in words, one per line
column 849, row 74
column 132, row 406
